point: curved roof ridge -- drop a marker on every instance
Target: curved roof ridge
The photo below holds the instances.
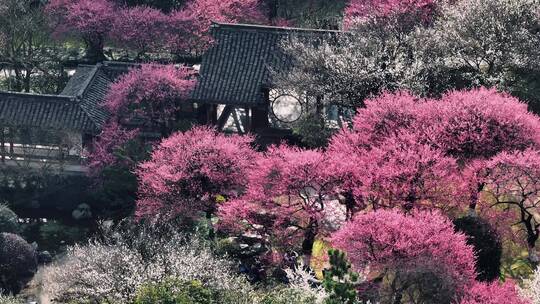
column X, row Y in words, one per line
column 37, row 95
column 271, row 28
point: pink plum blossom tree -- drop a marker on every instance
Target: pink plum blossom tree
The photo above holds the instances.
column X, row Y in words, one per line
column 90, row 20
column 152, row 93
column 190, row 26
column 188, row 170
column 460, row 130
column 140, row 28
column 287, row 200
column 417, row 256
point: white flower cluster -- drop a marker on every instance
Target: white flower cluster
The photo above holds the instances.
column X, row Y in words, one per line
column 111, row 271
column 304, row 281
column 4, row 299
column 531, row 287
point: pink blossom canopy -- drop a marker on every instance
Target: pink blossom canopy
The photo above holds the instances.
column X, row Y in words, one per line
column 493, row 293
column 193, row 165
column 390, row 240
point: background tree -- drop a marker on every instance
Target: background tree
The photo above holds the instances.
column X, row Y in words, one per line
column 307, row 14
column 411, row 12
column 87, row 19
column 27, row 55
column 190, row 26
column 416, row 257
column 486, row 43
column 141, row 29
column 164, row 5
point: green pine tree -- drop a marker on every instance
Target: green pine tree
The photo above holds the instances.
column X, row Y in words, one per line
column 340, row 280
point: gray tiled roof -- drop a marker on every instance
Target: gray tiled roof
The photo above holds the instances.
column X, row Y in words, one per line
column 236, row 69
column 78, row 107
column 77, row 83
column 89, row 86
column 43, row 111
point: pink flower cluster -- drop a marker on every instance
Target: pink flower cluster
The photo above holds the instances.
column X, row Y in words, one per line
column 493, row 293
column 193, row 166
column 152, row 92
column 359, row 10
column 388, row 240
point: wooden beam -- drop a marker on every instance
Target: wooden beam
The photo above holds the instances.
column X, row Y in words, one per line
column 224, row 117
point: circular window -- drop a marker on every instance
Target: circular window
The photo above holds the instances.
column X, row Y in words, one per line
column 287, row 108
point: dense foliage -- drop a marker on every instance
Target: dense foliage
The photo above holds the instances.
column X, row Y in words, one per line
column 418, row 256
column 9, row 221
column 18, row 262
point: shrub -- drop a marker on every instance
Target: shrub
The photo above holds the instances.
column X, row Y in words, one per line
column 114, row 268
column 313, row 130
column 8, row 220
column 172, row 291
column 487, row 246
column 18, row 262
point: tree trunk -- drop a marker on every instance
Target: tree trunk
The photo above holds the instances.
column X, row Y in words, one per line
column 94, row 49
column 309, row 239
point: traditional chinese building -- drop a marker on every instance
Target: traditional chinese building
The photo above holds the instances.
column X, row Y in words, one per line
column 234, row 91
column 235, row 78
column 53, row 131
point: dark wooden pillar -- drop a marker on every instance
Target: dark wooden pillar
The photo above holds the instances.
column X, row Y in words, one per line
column 259, row 118
column 207, row 114
column 11, row 139
column 259, row 114
column 2, row 144
column 247, row 120
column 212, row 114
